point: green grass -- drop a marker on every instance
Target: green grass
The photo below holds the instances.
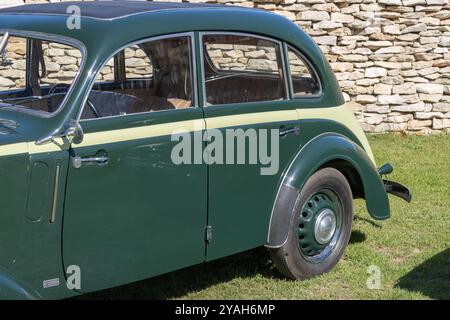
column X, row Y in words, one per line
column 412, row 248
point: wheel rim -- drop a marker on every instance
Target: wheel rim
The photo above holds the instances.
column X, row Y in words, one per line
column 319, row 226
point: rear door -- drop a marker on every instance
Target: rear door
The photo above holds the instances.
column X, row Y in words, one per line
column 246, row 100
column 131, row 212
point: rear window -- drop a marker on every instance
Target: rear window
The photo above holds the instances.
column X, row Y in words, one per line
column 304, row 80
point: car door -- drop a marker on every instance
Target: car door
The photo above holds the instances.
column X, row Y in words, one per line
column 130, row 211
column 245, row 88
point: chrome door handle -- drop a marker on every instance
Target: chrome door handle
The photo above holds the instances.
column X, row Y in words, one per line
column 77, row 162
column 285, row 132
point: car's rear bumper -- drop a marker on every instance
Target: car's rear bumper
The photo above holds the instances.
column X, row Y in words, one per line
column 397, row 189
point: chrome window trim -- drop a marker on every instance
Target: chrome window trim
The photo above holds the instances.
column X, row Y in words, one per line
column 288, row 71
column 137, row 42
column 311, row 69
column 244, row 34
column 4, row 41
column 57, row 39
column 285, row 73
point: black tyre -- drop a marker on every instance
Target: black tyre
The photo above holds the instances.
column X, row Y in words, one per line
column 320, row 227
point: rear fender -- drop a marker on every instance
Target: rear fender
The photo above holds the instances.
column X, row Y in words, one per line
column 312, row 156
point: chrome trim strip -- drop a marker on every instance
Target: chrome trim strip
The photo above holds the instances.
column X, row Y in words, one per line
column 288, row 71
column 202, row 68
column 58, row 39
column 201, row 34
column 136, row 42
column 194, row 69
column 4, row 41
column 286, row 74
column 55, row 192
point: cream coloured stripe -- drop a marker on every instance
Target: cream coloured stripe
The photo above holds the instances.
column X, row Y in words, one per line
column 15, row 148
column 340, row 114
column 120, row 135
column 343, row 115
column 58, row 145
column 32, row 148
column 112, row 136
column 251, row 118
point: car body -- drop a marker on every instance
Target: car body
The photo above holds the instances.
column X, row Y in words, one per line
column 99, row 191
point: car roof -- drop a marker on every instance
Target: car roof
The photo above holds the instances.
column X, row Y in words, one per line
column 108, row 10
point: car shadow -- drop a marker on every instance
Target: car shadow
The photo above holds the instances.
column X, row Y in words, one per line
column 432, row 278
column 372, row 223
column 179, row 283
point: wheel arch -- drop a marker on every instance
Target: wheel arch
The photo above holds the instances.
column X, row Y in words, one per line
column 350, row 173
column 327, row 150
column 13, row 289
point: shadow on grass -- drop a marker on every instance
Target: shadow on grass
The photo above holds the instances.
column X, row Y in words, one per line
column 373, row 223
column 432, row 278
column 357, row 237
column 182, row 282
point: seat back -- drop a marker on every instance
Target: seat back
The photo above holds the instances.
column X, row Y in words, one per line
column 113, row 104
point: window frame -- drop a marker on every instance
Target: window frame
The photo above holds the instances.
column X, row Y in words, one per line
column 33, row 35
column 195, row 103
column 311, row 70
column 284, row 75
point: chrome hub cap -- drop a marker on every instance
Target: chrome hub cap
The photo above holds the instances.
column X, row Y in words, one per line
column 325, row 226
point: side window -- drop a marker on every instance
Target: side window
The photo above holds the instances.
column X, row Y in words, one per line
column 52, row 70
column 241, row 68
column 304, row 82
column 151, row 76
column 13, row 67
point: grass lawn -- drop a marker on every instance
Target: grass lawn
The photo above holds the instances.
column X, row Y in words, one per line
column 412, row 248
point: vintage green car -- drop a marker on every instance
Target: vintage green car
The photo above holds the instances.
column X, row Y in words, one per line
column 96, row 99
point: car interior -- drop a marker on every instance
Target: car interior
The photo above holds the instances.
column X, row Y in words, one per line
column 28, row 91
column 239, row 81
column 167, row 85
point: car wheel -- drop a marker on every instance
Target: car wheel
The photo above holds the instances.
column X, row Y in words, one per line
column 320, row 227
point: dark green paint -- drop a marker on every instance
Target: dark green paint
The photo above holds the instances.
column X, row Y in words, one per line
column 31, row 250
column 125, row 207
column 240, row 219
column 38, row 191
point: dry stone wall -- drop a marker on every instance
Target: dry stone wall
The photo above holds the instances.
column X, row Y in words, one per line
column 243, row 57
column 391, row 57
